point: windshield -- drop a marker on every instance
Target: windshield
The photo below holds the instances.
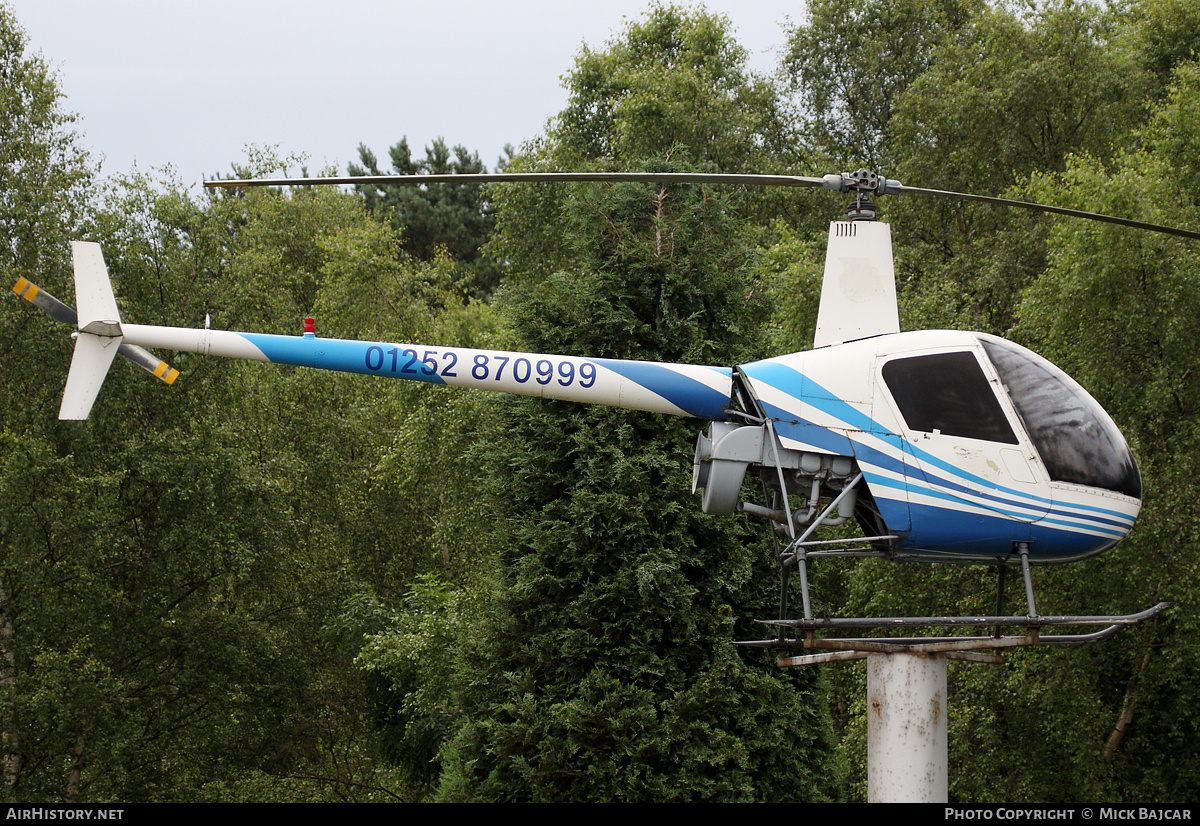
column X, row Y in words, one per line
column 1078, row 442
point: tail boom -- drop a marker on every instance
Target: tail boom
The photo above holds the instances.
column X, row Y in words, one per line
column 677, row 389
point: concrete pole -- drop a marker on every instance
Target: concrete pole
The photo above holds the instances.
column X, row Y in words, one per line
column 906, row 728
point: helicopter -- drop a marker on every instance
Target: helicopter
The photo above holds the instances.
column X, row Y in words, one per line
column 944, row 446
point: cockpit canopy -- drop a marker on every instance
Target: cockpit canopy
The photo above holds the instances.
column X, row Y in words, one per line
column 1078, row 442
column 948, row 393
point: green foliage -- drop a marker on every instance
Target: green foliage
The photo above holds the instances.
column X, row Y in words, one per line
column 451, row 219
column 1013, row 95
column 272, row 584
column 673, row 86
column 611, row 677
column 45, row 181
column 973, row 98
column 1165, row 33
column 1174, row 132
column 44, row 173
column 1008, row 96
column 672, row 79
column 656, row 278
column 1118, row 310
column 851, row 63
column 170, row 567
column 791, row 269
column 1091, row 108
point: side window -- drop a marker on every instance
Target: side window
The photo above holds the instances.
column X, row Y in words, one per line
column 947, row 392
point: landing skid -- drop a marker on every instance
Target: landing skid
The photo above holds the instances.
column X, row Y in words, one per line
column 855, row 648
column 979, row 648
column 800, row 526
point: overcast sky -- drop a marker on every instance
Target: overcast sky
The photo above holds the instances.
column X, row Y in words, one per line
column 192, row 84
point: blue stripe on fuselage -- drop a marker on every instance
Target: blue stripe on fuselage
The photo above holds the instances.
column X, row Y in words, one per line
column 954, row 533
column 693, row 397
column 341, row 355
column 784, row 378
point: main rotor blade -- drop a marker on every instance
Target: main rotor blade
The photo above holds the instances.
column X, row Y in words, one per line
column 832, row 182
column 1074, row 213
column 536, row 177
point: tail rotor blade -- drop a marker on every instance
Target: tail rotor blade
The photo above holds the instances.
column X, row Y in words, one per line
column 149, row 362
column 43, row 300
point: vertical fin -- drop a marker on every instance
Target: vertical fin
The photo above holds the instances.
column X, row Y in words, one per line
column 99, row 335
column 858, row 292
column 94, row 301
column 89, row 365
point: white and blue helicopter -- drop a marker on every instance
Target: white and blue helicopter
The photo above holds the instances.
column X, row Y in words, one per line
column 945, row 446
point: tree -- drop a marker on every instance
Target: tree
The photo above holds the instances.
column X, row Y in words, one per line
column 1165, row 34
column 454, row 218
column 612, row 677
column 674, row 85
column 971, row 98
column 610, row 674
column 1118, row 309
column 44, row 181
column 43, row 170
column 1010, row 97
column 852, row 62
column 1015, row 94
column 180, row 569
column 1005, row 103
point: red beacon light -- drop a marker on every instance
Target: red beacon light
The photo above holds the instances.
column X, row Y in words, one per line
column 310, row 326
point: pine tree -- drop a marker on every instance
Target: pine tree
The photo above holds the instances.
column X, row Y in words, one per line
column 611, row 673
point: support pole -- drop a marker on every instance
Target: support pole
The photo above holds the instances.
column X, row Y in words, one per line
column 802, row 567
column 906, row 728
column 1000, row 568
column 1023, row 550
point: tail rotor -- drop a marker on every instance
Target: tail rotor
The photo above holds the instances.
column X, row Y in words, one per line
column 98, row 336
